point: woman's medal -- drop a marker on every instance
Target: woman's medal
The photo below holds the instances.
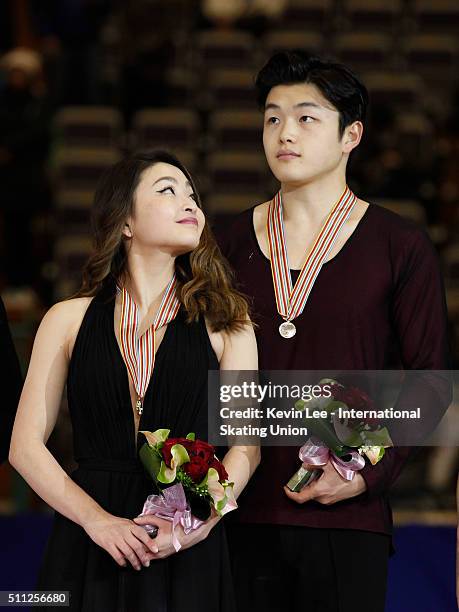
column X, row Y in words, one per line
column 139, row 353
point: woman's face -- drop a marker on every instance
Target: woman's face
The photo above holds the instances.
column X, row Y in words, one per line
column 165, row 213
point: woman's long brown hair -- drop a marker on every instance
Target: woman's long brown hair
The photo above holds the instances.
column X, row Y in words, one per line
column 204, row 278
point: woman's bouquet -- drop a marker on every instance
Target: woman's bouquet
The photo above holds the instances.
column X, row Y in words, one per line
column 343, row 441
column 190, row 479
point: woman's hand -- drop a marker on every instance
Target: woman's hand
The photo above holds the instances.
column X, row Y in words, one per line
column 164, row 538
column 197, row 535
column 123, row 540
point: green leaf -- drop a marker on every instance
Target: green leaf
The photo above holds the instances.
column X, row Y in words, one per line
column 354, row 439
column 334, row 405
column 191, row 436
column 150, row 460
column 324, row 430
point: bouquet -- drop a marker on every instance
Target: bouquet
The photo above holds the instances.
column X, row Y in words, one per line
column 190, row 479
column 345, row 442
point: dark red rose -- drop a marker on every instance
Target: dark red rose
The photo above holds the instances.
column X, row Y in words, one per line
column 202, row 449
column 337, row 392
column 352, row 397
column 222, row 473
column 202, row 457
column 196, row 468
column 358, row 400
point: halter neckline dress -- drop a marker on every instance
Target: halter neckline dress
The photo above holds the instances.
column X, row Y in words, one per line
column 109, row 470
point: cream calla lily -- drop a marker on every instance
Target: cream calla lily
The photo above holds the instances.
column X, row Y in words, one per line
column 179, row 457
column 155, row 437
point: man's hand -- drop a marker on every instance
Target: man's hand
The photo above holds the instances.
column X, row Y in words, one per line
column 329, row 488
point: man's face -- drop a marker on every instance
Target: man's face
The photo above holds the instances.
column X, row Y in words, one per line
column 301, row 133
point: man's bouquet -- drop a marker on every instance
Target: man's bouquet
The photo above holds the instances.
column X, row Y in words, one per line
column 343, row 441
column 191, row 481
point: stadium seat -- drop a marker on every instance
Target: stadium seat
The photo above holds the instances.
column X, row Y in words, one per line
column 172, row 128
column 237, row 130
column 88, row 126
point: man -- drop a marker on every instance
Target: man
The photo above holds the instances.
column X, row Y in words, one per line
column 371, row 298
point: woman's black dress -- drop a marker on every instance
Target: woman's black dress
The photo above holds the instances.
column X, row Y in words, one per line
column 198, row 578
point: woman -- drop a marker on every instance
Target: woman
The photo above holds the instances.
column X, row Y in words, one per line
column 149, row 230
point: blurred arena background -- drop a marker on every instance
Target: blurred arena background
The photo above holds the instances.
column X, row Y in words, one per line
column 82, row 81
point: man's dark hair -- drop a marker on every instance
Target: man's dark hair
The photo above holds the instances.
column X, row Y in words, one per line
column 337, row 83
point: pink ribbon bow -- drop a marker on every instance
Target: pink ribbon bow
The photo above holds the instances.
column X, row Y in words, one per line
column 316, row 454
column 172, row 506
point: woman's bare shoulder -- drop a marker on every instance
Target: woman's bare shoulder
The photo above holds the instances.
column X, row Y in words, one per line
column 235, row 349
column 64, row 319
column 69, row 310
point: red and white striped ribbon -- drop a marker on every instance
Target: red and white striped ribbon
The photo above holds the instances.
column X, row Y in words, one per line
column 292, row 300
column 139, row 353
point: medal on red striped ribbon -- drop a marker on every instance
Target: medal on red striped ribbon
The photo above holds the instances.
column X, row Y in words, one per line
column 291, row 300
column 139, row 353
